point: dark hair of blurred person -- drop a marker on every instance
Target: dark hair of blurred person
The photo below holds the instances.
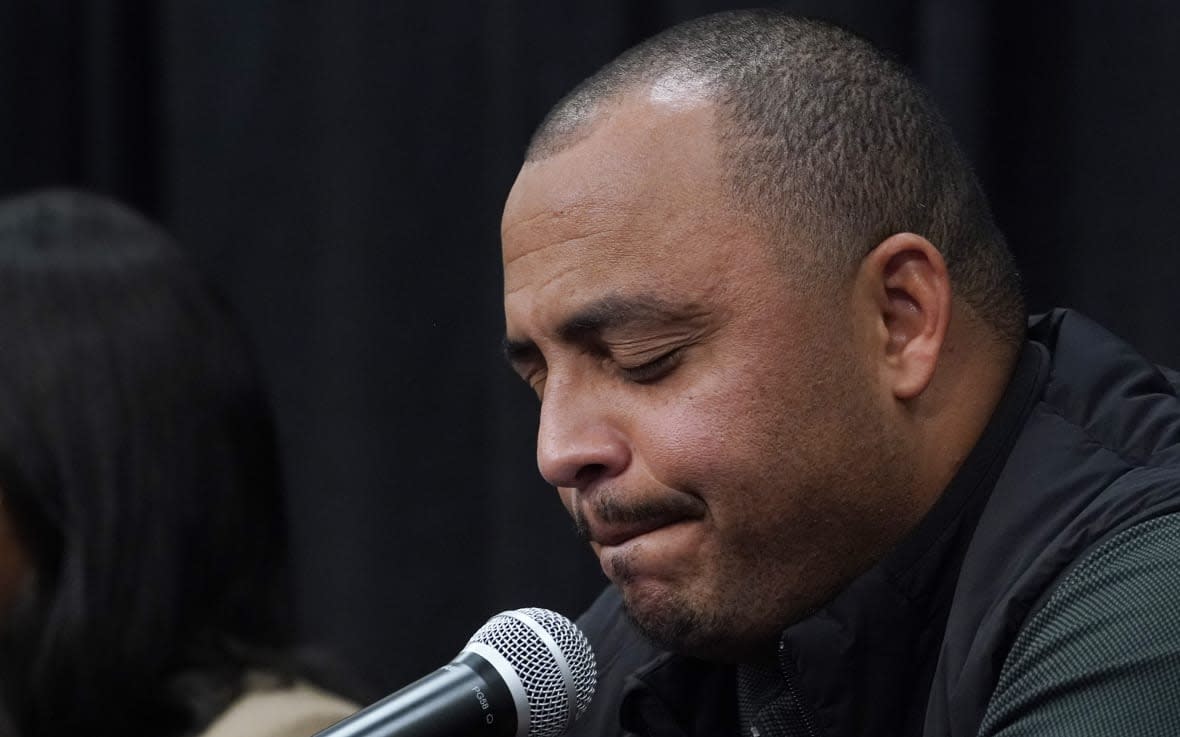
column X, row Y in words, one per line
column 143, row 570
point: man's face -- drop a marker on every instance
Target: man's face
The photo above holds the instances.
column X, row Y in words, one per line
column 712, row 432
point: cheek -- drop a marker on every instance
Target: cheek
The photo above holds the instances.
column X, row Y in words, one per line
column 749, row 442
column 706, row 437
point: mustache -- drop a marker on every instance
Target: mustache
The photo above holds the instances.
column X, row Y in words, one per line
column 606, row 507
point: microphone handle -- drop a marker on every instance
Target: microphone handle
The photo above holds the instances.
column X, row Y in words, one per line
column 465, row 698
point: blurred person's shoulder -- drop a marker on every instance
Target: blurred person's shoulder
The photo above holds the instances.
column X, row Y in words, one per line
column 271, row 708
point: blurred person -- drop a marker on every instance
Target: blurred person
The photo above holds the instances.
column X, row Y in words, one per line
column 840, row 484
column 144, row 586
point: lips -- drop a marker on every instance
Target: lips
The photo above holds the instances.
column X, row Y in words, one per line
column 617, row 534
column 609, row 523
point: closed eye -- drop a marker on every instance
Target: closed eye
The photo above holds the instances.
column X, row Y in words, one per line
column 653, row 370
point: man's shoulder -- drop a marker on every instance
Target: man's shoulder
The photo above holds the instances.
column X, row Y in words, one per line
column 1097, row 454
column 1103, row 387
column 1100, row 656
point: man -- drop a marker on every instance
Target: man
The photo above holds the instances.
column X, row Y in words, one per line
column 788, row 395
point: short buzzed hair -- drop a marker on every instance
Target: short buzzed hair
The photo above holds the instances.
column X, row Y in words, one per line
column 826, row 142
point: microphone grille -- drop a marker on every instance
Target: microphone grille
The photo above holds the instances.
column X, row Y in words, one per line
column 550, row 671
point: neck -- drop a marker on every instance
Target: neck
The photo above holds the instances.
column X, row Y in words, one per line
column 948, row 419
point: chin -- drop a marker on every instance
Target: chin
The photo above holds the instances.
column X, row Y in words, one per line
column 673, row 621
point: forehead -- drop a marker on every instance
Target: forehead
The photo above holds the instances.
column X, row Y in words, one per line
column 635, row 148
column 643, row 189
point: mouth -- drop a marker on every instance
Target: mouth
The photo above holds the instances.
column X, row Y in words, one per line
column 607, row 523
column 617, row 534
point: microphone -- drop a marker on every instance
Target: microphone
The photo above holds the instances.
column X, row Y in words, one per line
column 524, row 673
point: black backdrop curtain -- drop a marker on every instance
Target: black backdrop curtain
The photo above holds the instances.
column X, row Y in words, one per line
column 339, row 168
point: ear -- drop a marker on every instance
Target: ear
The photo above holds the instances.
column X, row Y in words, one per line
column 905, row 290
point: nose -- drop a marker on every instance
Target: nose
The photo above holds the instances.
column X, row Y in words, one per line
column 578, row 441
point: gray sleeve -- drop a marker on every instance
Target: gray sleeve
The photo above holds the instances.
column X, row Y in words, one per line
column 1102, row 656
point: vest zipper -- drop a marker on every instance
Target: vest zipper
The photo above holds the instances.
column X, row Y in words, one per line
column 797, row 705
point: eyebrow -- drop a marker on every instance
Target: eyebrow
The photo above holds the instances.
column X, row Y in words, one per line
column 603, row 314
